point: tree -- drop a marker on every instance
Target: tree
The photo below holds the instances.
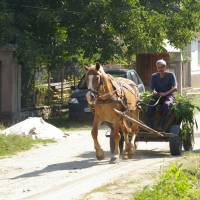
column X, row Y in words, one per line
column 107, row 30
column 96, row 29
column 50, row 32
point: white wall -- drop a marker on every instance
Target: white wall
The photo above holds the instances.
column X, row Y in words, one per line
column 195, row 53
column 195, row 63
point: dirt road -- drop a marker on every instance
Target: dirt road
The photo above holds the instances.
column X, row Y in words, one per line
column 69, row 169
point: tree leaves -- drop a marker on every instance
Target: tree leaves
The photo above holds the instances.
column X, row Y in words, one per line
column 111, row 29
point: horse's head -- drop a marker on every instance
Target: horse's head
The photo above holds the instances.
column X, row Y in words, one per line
column 93, row 79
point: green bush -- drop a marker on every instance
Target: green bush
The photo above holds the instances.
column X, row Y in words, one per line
column 175, row 184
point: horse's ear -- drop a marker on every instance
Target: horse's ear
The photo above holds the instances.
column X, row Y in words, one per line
column 97, row 66
column 86, row 68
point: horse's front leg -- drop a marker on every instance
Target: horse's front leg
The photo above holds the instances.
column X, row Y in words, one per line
column 99, row 151
column 117, row 136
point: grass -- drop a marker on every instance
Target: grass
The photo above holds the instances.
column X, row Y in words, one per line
column 179, row 182
column 196, row 100
column 11, row 144
column 64, row 123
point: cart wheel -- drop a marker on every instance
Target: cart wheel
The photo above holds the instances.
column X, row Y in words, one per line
column 175, row 142
column 112, row 143
column 188, row 143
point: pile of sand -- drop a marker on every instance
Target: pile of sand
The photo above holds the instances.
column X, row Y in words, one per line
column 35, row 127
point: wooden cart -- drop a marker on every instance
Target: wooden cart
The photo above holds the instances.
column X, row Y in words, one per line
column 171, row 133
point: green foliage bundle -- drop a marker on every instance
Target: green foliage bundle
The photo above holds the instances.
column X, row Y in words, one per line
column 184, row 111
column 145, row 98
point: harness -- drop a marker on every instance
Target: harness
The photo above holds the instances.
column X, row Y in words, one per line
column 117, row 96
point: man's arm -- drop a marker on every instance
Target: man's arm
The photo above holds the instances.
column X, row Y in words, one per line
column 173, row 88
column 152, row 85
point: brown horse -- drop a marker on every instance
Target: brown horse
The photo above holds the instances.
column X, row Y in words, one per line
column 106, row 93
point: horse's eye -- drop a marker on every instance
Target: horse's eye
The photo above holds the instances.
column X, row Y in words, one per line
column 97, row 78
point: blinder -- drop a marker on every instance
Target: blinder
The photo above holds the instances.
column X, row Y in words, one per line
column 94, row 93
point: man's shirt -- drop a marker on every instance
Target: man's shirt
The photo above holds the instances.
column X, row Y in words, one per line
column 163, row 84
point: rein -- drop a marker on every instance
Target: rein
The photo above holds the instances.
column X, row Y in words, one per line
column 152, row 105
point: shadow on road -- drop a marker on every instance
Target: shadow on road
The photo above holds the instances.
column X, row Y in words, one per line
column 91, row 154
column 139, row 154
column 74, row 165
column 146, row 154
column 90, row 161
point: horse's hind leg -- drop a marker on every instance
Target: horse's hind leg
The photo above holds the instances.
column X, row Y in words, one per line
column 131, row 146
column 126, row 139
column 117, row 136
column 99, row 151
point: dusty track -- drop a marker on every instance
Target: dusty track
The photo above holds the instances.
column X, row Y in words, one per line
column 69, row 169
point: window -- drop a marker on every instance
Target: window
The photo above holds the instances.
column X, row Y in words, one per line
column 134, row 77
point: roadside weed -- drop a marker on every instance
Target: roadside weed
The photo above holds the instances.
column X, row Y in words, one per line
column 11, row 144
column 176, row 183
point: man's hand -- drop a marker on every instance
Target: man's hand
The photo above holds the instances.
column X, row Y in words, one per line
column 154, row 93
column 163, row 94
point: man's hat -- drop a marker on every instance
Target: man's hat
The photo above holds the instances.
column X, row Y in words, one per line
column 161, row 61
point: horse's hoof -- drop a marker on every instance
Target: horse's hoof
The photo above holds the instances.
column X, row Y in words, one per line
column 125, row 156
column 100, row 157
column 131, row 153
column 114, row 160
column 100, row 154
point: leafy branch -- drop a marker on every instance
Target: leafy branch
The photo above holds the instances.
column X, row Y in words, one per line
column 184, row 111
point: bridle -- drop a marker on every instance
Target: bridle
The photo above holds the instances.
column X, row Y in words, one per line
column 95, row 92
column 100, row 98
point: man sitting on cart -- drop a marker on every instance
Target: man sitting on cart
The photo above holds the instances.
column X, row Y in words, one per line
column 163, row 85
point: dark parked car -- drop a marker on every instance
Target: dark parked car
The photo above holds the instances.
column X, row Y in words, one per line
column 78, row 107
